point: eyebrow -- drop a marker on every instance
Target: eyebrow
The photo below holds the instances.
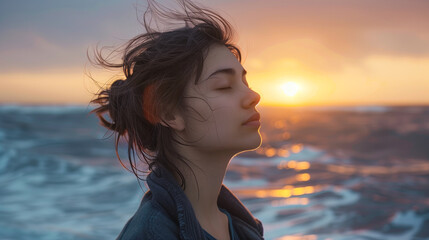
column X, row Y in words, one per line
column 229, row 71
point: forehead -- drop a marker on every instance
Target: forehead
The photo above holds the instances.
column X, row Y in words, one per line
column 219, row 57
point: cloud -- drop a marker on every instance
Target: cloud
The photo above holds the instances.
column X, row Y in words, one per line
column 29, row 51
column 46, row 34
column 40, row 35
column 353, row 28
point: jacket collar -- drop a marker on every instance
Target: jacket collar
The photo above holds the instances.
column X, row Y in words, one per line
column 167, row 192
column 228, row 201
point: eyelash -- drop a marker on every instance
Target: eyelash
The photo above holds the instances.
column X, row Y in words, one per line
column 224, row 88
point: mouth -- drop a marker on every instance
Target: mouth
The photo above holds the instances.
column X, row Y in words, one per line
column 253, row 120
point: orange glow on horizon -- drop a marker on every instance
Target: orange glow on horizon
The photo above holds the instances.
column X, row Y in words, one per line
column 352, row 85
column 382, row 87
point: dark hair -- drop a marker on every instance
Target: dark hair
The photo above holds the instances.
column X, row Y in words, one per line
column 157, row 67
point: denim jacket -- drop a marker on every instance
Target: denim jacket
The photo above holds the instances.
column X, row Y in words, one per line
column 166, row 213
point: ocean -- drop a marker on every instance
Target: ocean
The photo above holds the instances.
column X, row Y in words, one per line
column 334, row 173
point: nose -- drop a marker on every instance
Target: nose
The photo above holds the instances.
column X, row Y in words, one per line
column 251, row 99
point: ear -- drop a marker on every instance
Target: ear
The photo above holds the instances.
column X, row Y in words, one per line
column 173, row 120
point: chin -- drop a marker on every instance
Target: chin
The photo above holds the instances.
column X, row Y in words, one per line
column 253, row 143
column 257, row 145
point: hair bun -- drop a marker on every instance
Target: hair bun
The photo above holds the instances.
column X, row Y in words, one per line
column 118, row 83
column 116, row 104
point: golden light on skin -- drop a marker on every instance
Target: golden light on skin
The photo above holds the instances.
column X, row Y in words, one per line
column 290, row 88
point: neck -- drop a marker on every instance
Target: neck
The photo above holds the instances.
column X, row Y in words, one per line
column 202, row 189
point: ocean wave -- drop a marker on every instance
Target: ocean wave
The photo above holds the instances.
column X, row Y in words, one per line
column 60, row 180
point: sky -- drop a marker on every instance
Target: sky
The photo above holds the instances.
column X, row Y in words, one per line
column 296, row 52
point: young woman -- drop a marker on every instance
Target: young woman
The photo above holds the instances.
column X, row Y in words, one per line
column 185, row 109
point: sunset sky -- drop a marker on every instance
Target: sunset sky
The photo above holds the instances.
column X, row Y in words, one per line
column 300, row 52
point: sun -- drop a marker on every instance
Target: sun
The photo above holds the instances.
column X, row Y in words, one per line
column 290, row 88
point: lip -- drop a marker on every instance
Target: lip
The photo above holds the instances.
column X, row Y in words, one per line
column 253, row 120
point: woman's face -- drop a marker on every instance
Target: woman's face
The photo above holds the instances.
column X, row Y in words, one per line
column 220, row 104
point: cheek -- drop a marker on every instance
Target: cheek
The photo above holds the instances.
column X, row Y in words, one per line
column 198, row 118
column 211, row 120
column 226, row 119
column 226, row 122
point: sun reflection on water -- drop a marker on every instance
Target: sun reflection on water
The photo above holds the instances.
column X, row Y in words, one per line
column 284, row 192
column 283, row 151
column 270, row 152
column 303, row 177
column 285, row 136
column 290, row 201
column 292, row 164
column 335, row 172
column 279, row 124
column 379, row 170
column 296, row 148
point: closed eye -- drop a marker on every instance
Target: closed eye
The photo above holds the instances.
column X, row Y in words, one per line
column 224, row 88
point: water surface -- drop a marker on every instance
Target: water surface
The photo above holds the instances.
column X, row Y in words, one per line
column 322, row 173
